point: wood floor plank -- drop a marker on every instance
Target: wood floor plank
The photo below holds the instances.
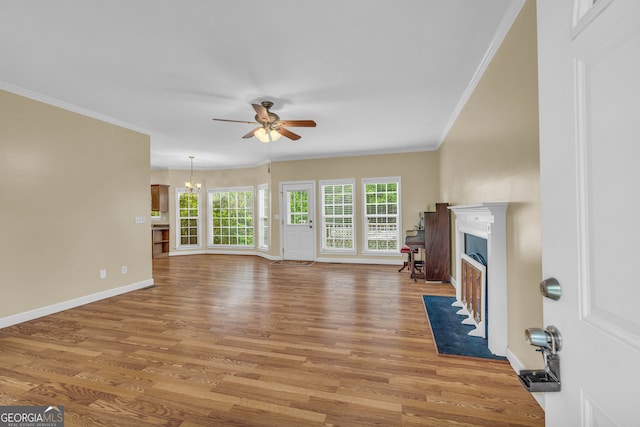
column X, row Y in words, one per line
column 234, row 340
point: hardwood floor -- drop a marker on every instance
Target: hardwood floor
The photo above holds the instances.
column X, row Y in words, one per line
column 234, row 340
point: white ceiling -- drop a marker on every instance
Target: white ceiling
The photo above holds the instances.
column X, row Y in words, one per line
column 377, row 76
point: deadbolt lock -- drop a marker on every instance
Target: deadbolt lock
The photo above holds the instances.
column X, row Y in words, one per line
column 550, row 288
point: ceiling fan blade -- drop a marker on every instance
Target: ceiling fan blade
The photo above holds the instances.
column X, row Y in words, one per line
column 234, row 121
column 250, row 134
column 299, row 123
column 286, row 132
column 262, row 113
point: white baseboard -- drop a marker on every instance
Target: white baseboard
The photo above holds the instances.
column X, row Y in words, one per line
column 188, row 252
column 76, row 302
column 276, row 258
column 359, row 261
column 223, row 252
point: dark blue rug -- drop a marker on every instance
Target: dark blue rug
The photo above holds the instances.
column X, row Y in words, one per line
column 450, row 335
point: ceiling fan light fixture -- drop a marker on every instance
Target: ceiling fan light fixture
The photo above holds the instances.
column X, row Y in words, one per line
column 270, row 127
column 267, row 136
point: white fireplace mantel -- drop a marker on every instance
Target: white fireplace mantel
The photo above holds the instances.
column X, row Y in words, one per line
column 487, row 221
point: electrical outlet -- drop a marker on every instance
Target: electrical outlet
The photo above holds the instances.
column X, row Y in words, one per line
column 124, row 269
column 103, row 274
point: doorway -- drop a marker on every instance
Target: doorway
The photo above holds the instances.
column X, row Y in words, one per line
column 298, row 235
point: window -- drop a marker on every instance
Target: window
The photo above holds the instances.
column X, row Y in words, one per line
column 338, row 215
column 188, row 218
column 263, row 216
column 298, row 209
column 382, row 215
column 231, row 217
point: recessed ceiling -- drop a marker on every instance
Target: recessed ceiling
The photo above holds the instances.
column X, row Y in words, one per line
column 377, row 77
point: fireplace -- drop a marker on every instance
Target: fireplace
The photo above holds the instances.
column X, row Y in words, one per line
column 485, row 221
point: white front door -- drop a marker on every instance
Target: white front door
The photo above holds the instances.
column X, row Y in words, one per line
column 589, row 85
column 298, row 221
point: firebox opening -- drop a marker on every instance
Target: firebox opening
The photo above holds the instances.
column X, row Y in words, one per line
column 476, row 248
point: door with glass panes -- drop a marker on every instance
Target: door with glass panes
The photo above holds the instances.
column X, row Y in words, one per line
column 298, row 215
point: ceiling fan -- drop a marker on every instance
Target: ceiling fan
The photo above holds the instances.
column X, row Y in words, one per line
column 271, row 127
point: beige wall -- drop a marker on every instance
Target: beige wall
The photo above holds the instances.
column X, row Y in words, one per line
column 419, row 184
column 70, row 189
column 491, row 155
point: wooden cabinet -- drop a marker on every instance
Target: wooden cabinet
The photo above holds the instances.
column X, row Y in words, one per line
column 159, row 198
column 160, row 240
column 437, row 248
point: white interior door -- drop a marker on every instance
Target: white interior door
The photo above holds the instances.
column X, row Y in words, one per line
column 589, row 77
column 298, row 225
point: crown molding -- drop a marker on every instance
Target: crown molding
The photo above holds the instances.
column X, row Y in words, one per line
column 17, row 90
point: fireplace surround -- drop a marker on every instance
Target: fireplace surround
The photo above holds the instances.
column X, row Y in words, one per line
column 487, row 221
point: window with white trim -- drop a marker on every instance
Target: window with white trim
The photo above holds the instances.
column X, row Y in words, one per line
column 187, row 218
column 338, row 210
column 263, row 216
column 382, row 226
column 231, row 217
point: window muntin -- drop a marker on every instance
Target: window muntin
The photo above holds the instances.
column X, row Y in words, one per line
column 187, row 219
column 231, row 217
column 381, row 215
column 338, row 221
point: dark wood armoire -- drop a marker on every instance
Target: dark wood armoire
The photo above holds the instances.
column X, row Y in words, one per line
column 437, row 245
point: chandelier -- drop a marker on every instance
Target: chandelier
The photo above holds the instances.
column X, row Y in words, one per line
column 192, row 185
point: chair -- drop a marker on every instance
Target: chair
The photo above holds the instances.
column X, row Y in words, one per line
column 410, row 254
